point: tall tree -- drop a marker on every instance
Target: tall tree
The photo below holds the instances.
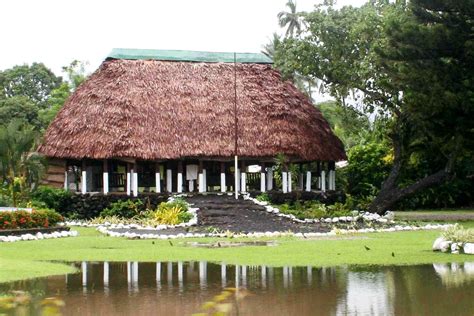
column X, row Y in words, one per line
column 20, row 168
column 34, row 82
column 393, row 53
column 291, row 20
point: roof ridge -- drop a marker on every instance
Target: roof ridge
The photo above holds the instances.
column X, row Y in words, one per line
column 188, row 56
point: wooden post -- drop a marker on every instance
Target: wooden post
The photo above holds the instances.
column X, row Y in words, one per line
column 105, row 173
column 243, row 177
column 66, row 182
column 301, row 178
column 180, row 177
column 83, row 178
column 223, row 186
column 262, row 177
column 201, row 177
column 157, row 178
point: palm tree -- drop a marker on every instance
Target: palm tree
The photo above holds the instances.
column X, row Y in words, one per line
column 292, row 19
column 20, row 168
column 270, row 48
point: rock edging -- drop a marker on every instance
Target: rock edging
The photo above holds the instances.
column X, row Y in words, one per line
column 443, row 245
column 38, row 236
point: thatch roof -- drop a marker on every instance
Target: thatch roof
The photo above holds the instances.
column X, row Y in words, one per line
column 160, row 109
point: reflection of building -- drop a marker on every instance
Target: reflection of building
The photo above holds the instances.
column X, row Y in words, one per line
column 367, row 293
column 172, row 121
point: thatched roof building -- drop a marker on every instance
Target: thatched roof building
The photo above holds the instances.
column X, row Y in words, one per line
column 178, row 106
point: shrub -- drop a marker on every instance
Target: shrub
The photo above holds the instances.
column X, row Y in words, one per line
column 124, row 209
column 35, row 219
column 458, row 233
column 263, row 197
column 169, row 213
column 49, row 197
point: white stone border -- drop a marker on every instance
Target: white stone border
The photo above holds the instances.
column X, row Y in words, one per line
column 38, row 236
column 192, row 222
column 366, row 216
column 334, row 232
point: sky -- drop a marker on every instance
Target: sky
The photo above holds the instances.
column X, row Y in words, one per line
column 58, row 32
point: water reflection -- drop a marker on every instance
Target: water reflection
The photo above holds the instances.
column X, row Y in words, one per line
column 180, row 288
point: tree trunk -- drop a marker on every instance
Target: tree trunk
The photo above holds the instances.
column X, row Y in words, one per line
column 390, row 194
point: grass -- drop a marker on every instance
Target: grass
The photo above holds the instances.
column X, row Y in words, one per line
column 436, row 215
column 30, row 259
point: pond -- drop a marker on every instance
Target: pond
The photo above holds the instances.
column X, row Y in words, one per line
column 177, row 288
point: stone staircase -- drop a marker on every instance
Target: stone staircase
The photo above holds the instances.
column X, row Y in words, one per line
column 224, row 212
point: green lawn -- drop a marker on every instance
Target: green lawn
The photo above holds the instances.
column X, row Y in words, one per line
column 33, row 258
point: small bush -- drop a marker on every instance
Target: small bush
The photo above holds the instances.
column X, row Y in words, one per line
column 458, row 233
column 124, row 209
column 169, row 213
column 50, row 198
column 263, row 197
column 24, row 220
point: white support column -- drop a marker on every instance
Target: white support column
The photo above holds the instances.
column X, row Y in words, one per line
column 66, row 181
column 204, row 176
column 284, row 181
column 180, row 182
column 308, row 181
column 333, row 182
column 169, row 180
column 129, row 183
column 201, row 182
column 269, row 179
column 135, row 183
column 243, row 180
column 262, row 181
column 223, row 186
column 323, row 181
column 105, row 182
column 84, row 182
column 158, row 182
column 237, row 181
column 290, row 182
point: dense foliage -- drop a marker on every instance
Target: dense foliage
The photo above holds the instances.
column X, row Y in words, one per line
column 409, row 63
column 30, row 97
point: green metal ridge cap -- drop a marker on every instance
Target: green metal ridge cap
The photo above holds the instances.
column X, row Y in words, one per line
column 186, row 55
